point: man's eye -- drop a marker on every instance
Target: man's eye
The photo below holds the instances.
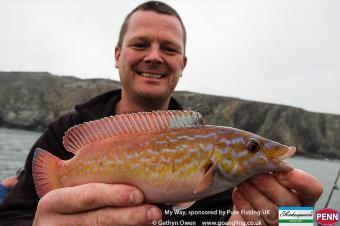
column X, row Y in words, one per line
column 139, row 45
column 170, row 50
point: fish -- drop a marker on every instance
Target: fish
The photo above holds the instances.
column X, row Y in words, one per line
column 172, row 156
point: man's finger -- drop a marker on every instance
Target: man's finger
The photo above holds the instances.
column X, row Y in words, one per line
column 243, row 209
column 235, row 216
column 274, row 191
column 307, row 187
column 138, row 215
column 259, row 202
column 91, row 196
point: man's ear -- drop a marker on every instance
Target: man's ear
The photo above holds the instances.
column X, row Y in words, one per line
column 184, row 61
column 117, row 56
column 184, row 64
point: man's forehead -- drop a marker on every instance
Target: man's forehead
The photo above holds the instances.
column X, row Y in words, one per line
column 142, row 18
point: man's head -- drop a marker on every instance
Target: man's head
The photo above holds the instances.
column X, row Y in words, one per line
column 155, row 6
column 150, row 55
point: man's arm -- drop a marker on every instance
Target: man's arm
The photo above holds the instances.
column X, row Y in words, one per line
column 267, row 192
column 9, row 182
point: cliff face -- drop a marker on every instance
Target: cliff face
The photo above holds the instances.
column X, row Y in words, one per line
column 31, row 100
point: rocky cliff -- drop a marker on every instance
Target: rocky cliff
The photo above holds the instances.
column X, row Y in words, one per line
column 31, row 100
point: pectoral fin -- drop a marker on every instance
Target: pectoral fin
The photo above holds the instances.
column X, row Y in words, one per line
column 183, row 205
column 207, row 179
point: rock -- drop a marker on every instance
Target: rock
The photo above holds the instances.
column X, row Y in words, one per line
column 31, row 100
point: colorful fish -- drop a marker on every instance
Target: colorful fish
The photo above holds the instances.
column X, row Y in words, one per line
column 170, row 155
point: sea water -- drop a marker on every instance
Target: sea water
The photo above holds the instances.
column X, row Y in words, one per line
column 15, row 145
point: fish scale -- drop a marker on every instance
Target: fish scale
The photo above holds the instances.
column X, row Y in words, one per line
column 184, row 152
column 170, row 155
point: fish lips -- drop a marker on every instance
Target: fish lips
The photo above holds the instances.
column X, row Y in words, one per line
column 281, row 166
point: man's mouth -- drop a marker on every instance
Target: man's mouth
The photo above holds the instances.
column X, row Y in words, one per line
column 151, row 75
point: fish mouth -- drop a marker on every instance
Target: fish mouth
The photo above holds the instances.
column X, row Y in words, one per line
column 282, row 166
column 289, row 153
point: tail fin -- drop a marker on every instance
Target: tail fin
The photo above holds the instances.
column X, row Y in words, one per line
column 44, row 167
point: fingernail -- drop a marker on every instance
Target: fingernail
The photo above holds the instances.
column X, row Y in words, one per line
column 282, row 178
column 135, row 197
column 152, row 214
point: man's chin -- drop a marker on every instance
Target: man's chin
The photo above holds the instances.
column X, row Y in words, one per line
column 153, row 95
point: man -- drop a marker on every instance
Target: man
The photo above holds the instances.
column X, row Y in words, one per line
column 150, row 56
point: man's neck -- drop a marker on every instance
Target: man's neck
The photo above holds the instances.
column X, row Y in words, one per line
column 128, row 104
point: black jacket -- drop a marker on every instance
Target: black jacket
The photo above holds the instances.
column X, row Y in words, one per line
column 20, row 205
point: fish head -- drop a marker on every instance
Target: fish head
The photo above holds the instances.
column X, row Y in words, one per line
column 241, row 154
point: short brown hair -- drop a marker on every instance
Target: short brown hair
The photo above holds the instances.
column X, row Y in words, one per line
column 155, row 6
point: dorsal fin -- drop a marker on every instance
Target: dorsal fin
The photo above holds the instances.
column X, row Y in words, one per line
column 81, row 135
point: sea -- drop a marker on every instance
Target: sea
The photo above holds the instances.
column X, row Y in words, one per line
column 15, row 145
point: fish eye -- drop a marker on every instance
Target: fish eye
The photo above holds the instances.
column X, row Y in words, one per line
column 253, row 145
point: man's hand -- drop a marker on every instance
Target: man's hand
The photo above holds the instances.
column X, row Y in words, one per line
column 95, row 204
column 266, row 192
column 9, row 182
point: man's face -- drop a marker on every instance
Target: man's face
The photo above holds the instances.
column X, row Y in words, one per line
column 151, row 58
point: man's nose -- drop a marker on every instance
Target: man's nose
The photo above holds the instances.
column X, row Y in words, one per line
column 153, row 56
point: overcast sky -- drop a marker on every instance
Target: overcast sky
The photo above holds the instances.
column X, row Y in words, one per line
column 285, row 52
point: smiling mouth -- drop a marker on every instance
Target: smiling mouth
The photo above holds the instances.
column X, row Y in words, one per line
column 151, row 75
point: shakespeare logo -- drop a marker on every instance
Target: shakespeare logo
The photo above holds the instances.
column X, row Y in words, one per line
column 296, row 215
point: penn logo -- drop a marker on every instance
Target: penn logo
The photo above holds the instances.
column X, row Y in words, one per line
column 327, row 216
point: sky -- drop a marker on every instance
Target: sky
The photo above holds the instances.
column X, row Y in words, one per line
column 275, row 51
